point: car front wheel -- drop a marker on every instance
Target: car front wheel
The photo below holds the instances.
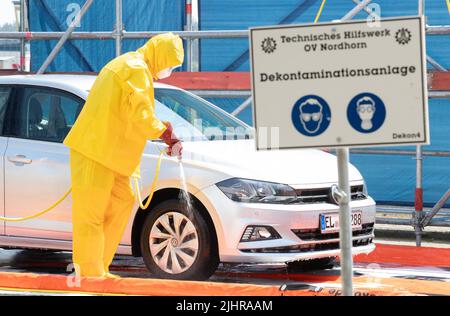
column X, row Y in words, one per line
column 176, row 243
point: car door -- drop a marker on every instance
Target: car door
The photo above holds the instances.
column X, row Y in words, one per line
column 36, row 164
column 6, row 93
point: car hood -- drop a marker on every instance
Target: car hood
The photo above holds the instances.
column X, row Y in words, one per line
column 239, row 158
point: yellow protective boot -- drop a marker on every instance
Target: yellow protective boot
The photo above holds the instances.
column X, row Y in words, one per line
column 109, row 275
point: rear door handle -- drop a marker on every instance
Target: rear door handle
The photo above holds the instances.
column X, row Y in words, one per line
column 20, row 159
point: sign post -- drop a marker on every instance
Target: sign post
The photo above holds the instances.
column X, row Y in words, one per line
column 345, row 232
column 341, row 85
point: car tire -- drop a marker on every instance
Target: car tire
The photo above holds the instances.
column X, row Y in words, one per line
column 174, row 256
column 314, row 264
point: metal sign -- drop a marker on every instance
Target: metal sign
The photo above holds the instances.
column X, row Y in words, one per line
column 340, row 84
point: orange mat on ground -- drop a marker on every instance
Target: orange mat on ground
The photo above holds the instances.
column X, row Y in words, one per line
column 29, row 282
column 408, row 256
column 130, row 286
column 326, row 285
column 369, row 286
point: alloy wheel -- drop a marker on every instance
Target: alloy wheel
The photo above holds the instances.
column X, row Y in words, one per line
column 174, row 242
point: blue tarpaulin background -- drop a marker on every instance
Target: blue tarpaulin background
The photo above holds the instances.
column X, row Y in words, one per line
column 390, row 178
column 92, row 55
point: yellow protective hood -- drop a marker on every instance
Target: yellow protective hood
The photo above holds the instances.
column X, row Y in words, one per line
column 162, row 51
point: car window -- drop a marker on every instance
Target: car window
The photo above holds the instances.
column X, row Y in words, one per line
column 183, row 128
column 5, row 94
column 44, row 114
column 199, row 119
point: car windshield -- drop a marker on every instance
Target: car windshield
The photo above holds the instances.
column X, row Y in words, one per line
column 194, row 118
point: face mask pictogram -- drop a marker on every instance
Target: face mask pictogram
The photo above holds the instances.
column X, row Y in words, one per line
column 366, row 110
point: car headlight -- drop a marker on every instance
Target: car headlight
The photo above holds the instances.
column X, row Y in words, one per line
column 252, row 191
column 365, row 191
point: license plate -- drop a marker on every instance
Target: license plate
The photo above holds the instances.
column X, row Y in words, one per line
column 329, row 223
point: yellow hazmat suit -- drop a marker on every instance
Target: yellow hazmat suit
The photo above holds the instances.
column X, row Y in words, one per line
column 107, row 142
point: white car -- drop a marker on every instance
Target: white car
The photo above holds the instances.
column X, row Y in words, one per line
column 247, row 206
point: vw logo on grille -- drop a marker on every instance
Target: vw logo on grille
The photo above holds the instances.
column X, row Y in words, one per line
column 333, row 189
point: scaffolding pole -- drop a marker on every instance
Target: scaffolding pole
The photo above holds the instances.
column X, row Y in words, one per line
column 192, row 44
column 421, row 7
column 431, row 30
column 366, row 9
column 22, row 41
column 435, row 64
column 426, row 220
column 418, row 197
column 195, row 50
column 361, row 6
column 118, row 29
column 242, row 106
column 417, row 215
column 438, row 30
column 188, row 10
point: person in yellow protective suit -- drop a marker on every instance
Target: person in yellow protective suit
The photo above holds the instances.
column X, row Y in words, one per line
column 107, row 141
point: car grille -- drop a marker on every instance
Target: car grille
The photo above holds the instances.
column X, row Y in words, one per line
column 315, row 234
column 307, row 248
column 323, row 195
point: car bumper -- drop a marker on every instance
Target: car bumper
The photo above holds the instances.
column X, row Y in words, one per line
column 292, row 222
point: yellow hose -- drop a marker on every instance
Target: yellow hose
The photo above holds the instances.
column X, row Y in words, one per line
column 152, row 189
column 319, row 13
column 21, row 219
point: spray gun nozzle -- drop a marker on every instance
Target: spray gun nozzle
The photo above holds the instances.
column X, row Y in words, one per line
column 176, row 151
